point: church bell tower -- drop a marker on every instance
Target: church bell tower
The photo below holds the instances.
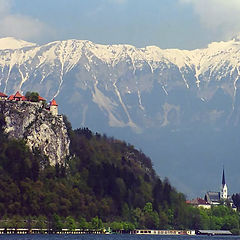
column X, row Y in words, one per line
column 224, row 193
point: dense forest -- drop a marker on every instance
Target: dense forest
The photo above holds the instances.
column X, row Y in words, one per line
column 104, row 180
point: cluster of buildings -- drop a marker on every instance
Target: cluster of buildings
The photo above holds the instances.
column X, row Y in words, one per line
column 18, row 97
column 214, row 198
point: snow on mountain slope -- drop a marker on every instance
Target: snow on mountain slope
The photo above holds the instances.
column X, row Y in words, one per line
column 67, row 54
column 118, row 70
column 13, row 43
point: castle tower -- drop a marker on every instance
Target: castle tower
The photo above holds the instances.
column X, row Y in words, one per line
column 224, row 191
column 54, row 107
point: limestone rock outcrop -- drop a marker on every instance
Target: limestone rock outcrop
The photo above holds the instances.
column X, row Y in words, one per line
column 39, row 127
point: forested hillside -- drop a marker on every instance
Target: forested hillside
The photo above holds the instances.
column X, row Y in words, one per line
column 104, row 179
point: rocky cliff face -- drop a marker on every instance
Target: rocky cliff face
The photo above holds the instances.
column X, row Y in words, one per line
column 42, row 130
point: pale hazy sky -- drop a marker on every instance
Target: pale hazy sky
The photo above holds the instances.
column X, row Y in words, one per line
column 185, row 24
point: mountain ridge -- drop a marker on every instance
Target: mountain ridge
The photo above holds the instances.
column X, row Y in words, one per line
column 185, row 60
column 144, row 95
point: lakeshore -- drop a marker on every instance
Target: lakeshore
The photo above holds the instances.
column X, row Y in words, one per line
column 34, row 231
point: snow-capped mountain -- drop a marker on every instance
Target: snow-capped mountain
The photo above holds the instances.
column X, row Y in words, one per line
column 170, row 99
column 13, row 43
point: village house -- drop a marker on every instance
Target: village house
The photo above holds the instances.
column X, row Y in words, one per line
column 199, row 202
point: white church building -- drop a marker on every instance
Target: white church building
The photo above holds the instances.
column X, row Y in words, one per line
column 216, row 198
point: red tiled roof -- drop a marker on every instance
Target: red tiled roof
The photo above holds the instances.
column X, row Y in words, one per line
column 201, row 201
column 2, row 94
column 17, row 95
column 24, row 98
column 53, row 103
column 41, row 98
column 11, row 97
column 196, row 201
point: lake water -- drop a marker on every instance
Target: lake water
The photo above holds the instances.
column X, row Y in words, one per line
column 113, row 237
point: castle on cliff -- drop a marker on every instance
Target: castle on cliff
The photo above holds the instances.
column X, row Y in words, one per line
column 17, row 97
column 29, row 117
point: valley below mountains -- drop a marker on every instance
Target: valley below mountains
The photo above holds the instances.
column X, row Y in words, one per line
column 181, row 107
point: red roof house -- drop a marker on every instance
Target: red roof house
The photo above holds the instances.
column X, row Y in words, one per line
column 17, row 96
column 199, row 202
column 2, row 95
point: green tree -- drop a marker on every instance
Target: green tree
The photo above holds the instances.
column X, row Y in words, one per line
column 82, row 223
column 150, row 219
column 41, row 222
column 32, row 96
column 57, row 224
column 128, row 226
column 96, row 223
column 16, row 222
column 205, row 219
column 70, row 223
column 148, row 208
column 116, row 226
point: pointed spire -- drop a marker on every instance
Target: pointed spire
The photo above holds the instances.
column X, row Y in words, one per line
column 223, row 178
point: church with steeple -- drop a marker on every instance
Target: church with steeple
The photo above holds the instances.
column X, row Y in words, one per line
column 216, row 198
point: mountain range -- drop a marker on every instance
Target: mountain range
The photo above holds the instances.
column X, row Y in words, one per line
column 180, row 107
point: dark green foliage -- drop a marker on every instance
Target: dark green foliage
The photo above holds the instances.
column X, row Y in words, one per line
column 17, row 160
column 32, row 96
column 236, row 200
column 104, row 180
column 57, row 224
column 219, row 218
column 70, row 223
column 96, row 223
